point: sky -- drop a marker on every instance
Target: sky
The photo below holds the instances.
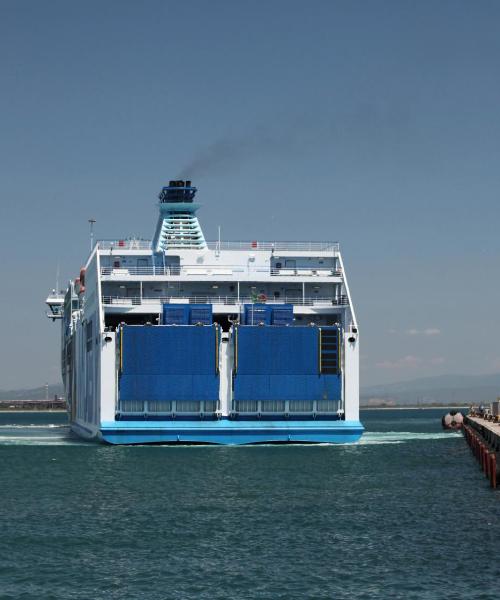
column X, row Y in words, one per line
column 375, row 124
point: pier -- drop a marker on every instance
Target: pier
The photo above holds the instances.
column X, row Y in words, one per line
column 483, row 437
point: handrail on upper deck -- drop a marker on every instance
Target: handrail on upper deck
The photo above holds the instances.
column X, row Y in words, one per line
column 253, row 245
column 341, row 300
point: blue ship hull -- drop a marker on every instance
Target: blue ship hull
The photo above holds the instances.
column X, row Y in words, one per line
column 230, row 432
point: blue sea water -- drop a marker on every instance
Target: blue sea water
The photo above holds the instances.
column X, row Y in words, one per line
column 404, row 513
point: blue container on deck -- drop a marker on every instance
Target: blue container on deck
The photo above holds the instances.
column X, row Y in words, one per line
column 254, row 314
column 282, row 315
column 187, row 314
column 175, row 314
column 200, row 313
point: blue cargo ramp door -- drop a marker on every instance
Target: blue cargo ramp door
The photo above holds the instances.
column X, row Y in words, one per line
column 286, row 370
column 169, row 369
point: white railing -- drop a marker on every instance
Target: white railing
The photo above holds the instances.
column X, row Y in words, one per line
column 277, row 246
column 55, row 297
column 217, row 271
column 130, row 244
column 226, row 300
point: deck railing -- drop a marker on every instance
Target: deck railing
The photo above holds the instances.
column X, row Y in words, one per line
column 225, row 300
column 217, row 271
column 277, row 246
column 130, row 244
column 253, row 245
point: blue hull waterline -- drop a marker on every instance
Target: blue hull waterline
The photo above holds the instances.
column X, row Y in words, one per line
column 228, row 432
column 182, row 341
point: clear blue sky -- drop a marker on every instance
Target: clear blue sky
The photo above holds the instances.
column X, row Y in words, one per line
column 372, row 123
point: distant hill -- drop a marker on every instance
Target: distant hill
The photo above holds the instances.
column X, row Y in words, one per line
column 32, row 393
column 444, row 389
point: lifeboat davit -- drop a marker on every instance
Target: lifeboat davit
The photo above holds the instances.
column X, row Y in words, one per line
column 452, row 420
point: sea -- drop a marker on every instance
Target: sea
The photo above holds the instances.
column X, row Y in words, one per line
column 404, row 513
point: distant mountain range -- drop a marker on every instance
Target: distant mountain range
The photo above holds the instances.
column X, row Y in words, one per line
column 444, row 389
column 38, row 393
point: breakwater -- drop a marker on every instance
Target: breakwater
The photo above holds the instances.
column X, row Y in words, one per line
column 50, row 404
column 483, row 437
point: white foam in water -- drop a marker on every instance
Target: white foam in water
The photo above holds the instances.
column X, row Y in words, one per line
column 50, row 436
column 37, row 435
column 399, row 437
column 33, row 426
column 35, row 441
column 372, row 438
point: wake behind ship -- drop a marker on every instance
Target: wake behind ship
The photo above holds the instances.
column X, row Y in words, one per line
column 180, row 340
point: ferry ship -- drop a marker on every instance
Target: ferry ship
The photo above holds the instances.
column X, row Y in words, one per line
column 183, row 340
